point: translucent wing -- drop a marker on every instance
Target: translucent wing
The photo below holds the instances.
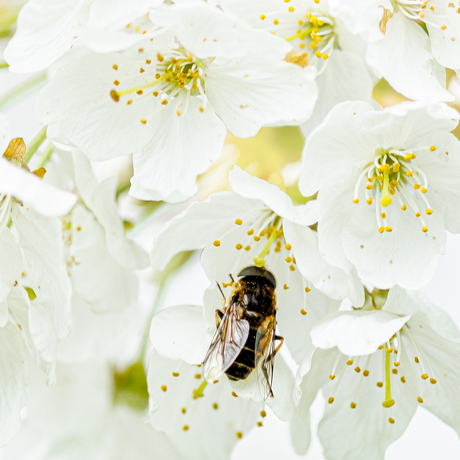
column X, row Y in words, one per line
column 226, row 345
column 265, row 350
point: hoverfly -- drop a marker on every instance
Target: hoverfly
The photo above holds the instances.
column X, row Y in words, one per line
column 245, row 336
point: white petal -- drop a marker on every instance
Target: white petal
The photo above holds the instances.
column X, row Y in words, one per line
column 330, row 280
column 445, row 41
column 211, row 433
column 43, row 34
column 40, row 239
column 180, row 333
column 201, row 224
column 96, row 276
column 181, row 148
column 42, row 197
column 14, row 362
column 246, row 96
column 403, row 58
column 357, row 333
column 5, row 133
column 101, row 200
column 300, row 434
column 274, row 198
column 78, row 103
column 337, row 143
column 346, row 78
column 10, row 265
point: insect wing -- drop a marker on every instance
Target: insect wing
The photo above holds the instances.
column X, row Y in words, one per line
column 265, row 349
column 226, row 345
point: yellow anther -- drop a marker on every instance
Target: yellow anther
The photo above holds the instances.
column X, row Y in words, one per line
column 424, row 190
column 256, row 238
column 403, row 379
column 238, row 221
column 353, row 405
column 247, row 248
column 303, row 312
column 409, row 156
column 276, row 22
column 424, row 229
column 409, row 173
column 313, row 45
column 288, row 259
column 369, row 186
column 433, row 381
column 396, row 167
column 380, row 177
column 164, row 388
column 143, row 121
column 185, row 427
column 443, row 27
column 395, row 371
column 288, row 247
column 391, row 420
column 416, row 360
column 262, row 16
column 416, row 186
column 325, row 56
column 198, row 376
column 175, row 374
column 234, row 394
column 429, row 211
column 115, row 67
column 419, row 399
column 250, row 231
column 215, row 406
column 285, row 287
column 260, row 424
column 383, row 215
column 356, row 200
column 381, row 229
column 332, row 376
column 184, row 410
column 417, row 214
column 263, row 414
column 349, row 362
column 380, row 347
column 239, row 435
column 216, row 243
column 318, row 53
column 307, row 290
column 366, row 373
column 291, row 9
column 397, row 363
column 369, row 200
column 330, row 400
column 388, row 229
column 380, row 384
column 387, row 404
column 239, row 246
column 403, row 207
column 424, row 376
column 292, row 268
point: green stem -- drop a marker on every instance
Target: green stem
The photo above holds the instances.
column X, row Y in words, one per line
column 46, row 156
column 35, row 144
column 21, row 89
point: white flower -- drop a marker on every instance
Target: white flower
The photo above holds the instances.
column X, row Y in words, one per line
column 376, row 367
column 100, row 259
column 412, row 60
column 323, row 40
column 47, row 30
column 170, row 100
column 388, row 189
column 77, row 419
column 204, row 420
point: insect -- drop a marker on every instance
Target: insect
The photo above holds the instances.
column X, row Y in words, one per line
column 245, row 338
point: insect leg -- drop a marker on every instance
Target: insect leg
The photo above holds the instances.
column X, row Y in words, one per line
column 272, row 355
column 219, row 316
column 222, row 292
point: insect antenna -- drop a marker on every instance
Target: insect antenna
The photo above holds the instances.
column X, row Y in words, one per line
column 222, row 292
column 231, row 277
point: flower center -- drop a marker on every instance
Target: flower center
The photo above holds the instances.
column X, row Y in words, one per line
column 417, row 10
column 391, row 175
column 391, row 355
column 173, row 72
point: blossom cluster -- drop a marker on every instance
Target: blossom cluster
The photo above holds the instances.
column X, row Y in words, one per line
column 314, row 264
